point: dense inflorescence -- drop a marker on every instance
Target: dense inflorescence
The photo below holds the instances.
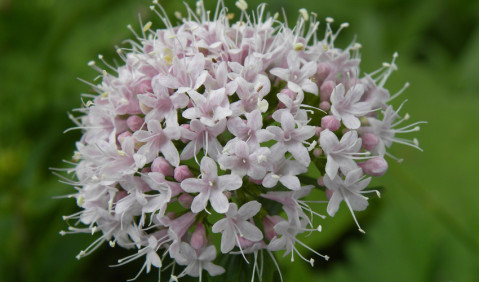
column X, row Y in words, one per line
column 211, row 127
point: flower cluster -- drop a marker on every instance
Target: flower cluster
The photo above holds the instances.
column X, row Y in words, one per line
column 211, row 127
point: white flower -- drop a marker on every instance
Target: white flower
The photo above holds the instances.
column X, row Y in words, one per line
column 347, row 106
column 236, row 224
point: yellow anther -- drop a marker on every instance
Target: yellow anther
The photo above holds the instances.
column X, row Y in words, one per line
column 298, row 46
column 304, row 13
column 147, row 26
column 241, row 4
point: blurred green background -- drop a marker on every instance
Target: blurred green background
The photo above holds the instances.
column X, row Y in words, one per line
column 425, row 227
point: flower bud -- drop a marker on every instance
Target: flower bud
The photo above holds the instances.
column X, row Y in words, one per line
column 369, row 141
column 185, row 200
column 199, row 237
column 161, row 165
column 317, row 152
column 123, row 135
column 181, row 173
column 323, row 70
column 326, row 90
column 324, row 105
column 134, row 122
column 375, row 167
column 320, row 182
column 175, row 187
column 330, row 123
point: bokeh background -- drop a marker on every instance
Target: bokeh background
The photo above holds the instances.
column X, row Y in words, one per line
column 425, row 227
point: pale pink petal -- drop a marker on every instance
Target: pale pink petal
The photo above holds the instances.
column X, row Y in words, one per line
column 249, row 210
column 191, row 185
column 218, row 201
column 334, row 203
column 229, row 182
column 199, row 203
column 249, row 231
column 290, row 181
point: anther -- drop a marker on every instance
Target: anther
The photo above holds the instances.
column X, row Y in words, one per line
column 329, row 20
column 304, row 13
column 298, row 46
column 147, row 26
column 241, row 4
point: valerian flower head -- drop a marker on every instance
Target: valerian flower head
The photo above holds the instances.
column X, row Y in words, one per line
column 220, row 126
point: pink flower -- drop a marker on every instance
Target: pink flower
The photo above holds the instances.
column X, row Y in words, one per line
column 210, row 187
column 298, row 78
column 347, row 107
column 236, row 224
column 290, row 139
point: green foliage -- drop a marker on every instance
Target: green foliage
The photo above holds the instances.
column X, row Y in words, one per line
column 425, row 227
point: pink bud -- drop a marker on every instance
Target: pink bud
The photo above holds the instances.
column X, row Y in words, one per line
column 146, row 170
column 326, row 90
column 324, row 105
column 328, row 193
column 320, row 182
column 134, row 122
column 123, row 135
column 318, row 130
column 199, row 237
column 369, row 141
column 182, row 172
column 175, row 187
column 317, row 152
column 330, row 123
column 161, row 165
column 323, row 70
column 185, row 200
column 375, row 167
